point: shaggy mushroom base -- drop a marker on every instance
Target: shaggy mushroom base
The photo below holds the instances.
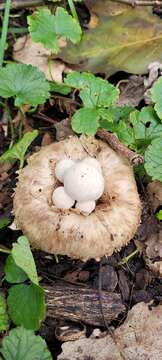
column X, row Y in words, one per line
column 68, row 232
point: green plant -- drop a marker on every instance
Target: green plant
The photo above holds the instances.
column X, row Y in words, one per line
column 4, row 324
column 18, row 150
column 47, row 28
column 4, row 31
column 25, row 83
column 98, row 97
column 22, row 344
column 26, row 302
column 159, row 215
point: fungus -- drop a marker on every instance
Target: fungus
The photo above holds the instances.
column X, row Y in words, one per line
column 69, row 232
column 86, row 206
column 61, row 167
column 83, row 182
column 61, row 199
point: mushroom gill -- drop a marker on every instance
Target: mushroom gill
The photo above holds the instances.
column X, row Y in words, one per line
column 68, row 231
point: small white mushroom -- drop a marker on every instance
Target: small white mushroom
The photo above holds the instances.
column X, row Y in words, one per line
column 61, row 167
column 86, row 206
column 83, row 182
column 61, row 199
column 91, row 161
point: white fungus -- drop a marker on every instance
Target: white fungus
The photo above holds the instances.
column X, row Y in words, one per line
column 83, row 182
column 61, row 167
column 86, row 206
column 61, row 199
column 91, row 161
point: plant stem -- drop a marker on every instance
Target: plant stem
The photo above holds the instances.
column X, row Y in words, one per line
column 129, row 257
column 5, row 250
column 4, row 31
column 73, row 10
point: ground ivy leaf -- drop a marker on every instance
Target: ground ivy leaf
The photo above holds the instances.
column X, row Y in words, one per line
column 139, row 129
column 18, row 150
column 146, row 124
column 94, row 91
column 79, row 80
column 67, row 26
column 156, row 96
column 25, row 83
column 23, row 258
column 22, row 344
column 153, row 159
column 85, row 121
column 26, row 305
column 13, row 273
column 3, row 314
column 42, row 28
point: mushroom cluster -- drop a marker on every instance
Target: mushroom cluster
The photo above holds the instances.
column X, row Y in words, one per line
column 83, row 184
column 65, row 230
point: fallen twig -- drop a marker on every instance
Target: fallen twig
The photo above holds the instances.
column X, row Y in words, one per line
column 18, row 4
column 113, row 141
column 141, row 2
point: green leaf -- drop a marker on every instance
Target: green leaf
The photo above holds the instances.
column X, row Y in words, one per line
column 25, row 83
column 60, row 88
column 22, row 344
column 94, row 91
column 140, row 129
column 159, row 215
column 85, row 121
column 153, row 159
column 4, row 222
column 13, row 273
column 26, row 305
column 46, row 28
column 67, row 26
column 23, row 258
column 156, row 96
column 3, row 314
column 19, row 149
column 42, row 28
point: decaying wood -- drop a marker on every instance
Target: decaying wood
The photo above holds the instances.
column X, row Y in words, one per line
column 115, row 144
column 77, row 303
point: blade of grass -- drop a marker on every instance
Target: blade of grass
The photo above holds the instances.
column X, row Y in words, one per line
column 4, row 31
column 73, row 10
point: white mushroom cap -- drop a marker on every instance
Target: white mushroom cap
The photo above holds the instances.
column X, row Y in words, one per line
column 91, row 161
column 61, row 199
column 86, row 206
column 61, row 167
column 83, row 182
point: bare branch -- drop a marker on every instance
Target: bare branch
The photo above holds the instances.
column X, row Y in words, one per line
column 113, row 141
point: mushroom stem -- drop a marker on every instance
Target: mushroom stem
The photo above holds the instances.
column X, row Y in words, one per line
column 113, row 141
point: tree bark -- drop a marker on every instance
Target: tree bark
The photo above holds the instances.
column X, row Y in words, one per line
column 82, row 304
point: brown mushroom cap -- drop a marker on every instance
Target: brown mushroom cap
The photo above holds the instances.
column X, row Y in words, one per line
column 68, row 232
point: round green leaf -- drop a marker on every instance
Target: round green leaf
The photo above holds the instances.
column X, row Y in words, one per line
column 26, row 305
column 153, row 159
column 13, row 273
column 25, row 83
column 22, row 344
column 85, row 121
